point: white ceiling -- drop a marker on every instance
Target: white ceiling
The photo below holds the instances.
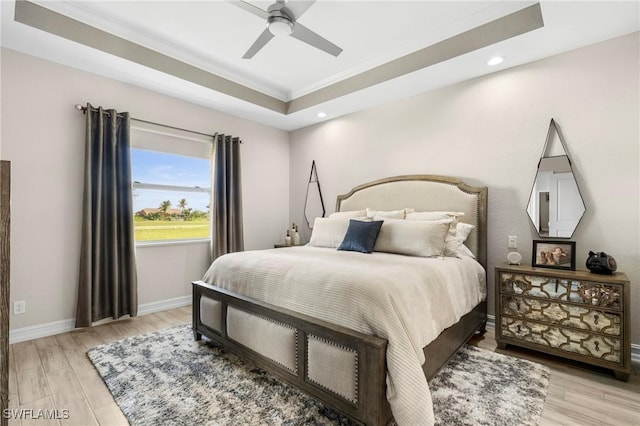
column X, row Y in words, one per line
column 213, row 35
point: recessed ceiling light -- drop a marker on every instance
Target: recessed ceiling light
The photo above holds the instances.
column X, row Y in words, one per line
column 322, row 114
column 495, row 60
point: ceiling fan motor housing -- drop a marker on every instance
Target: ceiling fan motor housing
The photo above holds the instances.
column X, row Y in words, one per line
column 279, row 23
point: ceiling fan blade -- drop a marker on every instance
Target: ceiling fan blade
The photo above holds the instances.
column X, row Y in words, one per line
column 297, row 8
column 250, row 8
column 258, row 44
column 305, row 35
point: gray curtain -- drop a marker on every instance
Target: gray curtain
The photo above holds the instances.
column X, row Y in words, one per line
column 108, row 281
column 226, row 222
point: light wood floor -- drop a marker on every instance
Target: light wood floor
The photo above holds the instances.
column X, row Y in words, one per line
column 55, row 373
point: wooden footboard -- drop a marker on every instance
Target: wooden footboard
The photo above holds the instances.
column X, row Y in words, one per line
column 313, row 343
column 334, row 346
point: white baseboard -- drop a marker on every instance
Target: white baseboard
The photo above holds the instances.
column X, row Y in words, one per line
column 57, row 327
column 42, row 330
column 635, row 348
column 163, row 305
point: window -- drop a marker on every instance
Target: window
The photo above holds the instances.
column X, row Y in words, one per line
column 171, row 190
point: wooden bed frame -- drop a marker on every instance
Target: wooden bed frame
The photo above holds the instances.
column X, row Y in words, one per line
column 370, row 406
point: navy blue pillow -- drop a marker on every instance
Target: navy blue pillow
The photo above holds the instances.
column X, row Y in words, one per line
column 361, row 236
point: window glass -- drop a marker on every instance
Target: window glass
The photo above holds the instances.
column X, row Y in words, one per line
column 171, row 196
column 169, row 169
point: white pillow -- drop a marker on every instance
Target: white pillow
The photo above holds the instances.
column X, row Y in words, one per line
column 464, row 251
column 463, row 230
column 458, row 231
column 351, row 214
column 385, row 214
column 454, row 242
column 328, row 231
column 432, row 215
column 414, row 238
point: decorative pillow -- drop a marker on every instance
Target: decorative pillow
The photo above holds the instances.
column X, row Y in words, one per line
column 385, row 214
column 351, row 214
column 413, row 238
column 361, row 236
column 328, row 231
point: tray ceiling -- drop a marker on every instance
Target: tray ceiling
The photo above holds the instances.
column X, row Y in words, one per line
column 392, row 49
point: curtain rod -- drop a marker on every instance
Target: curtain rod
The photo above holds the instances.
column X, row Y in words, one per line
column 84, row 109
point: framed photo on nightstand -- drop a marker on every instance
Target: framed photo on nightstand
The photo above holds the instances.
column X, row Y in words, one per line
column 554, row 254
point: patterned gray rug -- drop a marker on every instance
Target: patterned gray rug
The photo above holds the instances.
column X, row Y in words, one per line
column 167, row 378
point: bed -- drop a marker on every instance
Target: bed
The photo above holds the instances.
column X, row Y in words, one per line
column 370, row 365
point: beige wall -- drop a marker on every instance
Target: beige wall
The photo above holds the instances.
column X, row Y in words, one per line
column 42, row 135
column 490, row 131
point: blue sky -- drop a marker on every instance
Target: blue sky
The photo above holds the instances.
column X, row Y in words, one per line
column 169, row 169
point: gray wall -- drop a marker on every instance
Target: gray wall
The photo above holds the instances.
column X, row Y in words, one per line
column 42, row 135
column 490, row 131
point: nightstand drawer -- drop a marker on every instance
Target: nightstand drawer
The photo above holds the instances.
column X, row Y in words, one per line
column 580, row 317
column 599, row 294
column 549, row 336
column 533, row 285
column 577, row 291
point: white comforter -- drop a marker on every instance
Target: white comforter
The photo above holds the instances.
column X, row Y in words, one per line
column 407, row 300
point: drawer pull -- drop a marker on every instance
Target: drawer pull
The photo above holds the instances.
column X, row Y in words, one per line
column 519, row 328
column 597, row 344
column 518, row 305
column 595, row 319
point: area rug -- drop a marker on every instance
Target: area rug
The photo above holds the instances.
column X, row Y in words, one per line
column 167, row 378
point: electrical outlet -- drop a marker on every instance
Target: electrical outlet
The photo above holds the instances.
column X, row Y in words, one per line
column 512, row 241
column 19, row 307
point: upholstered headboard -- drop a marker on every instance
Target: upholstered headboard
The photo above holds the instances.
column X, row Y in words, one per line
column 426, row 193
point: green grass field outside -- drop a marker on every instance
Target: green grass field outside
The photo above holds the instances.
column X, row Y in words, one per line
column 161, row 230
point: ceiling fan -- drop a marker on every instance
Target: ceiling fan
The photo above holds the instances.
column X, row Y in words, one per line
column 281, row 18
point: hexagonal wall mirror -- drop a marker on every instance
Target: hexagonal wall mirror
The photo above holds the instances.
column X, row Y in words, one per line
column 555, row 205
